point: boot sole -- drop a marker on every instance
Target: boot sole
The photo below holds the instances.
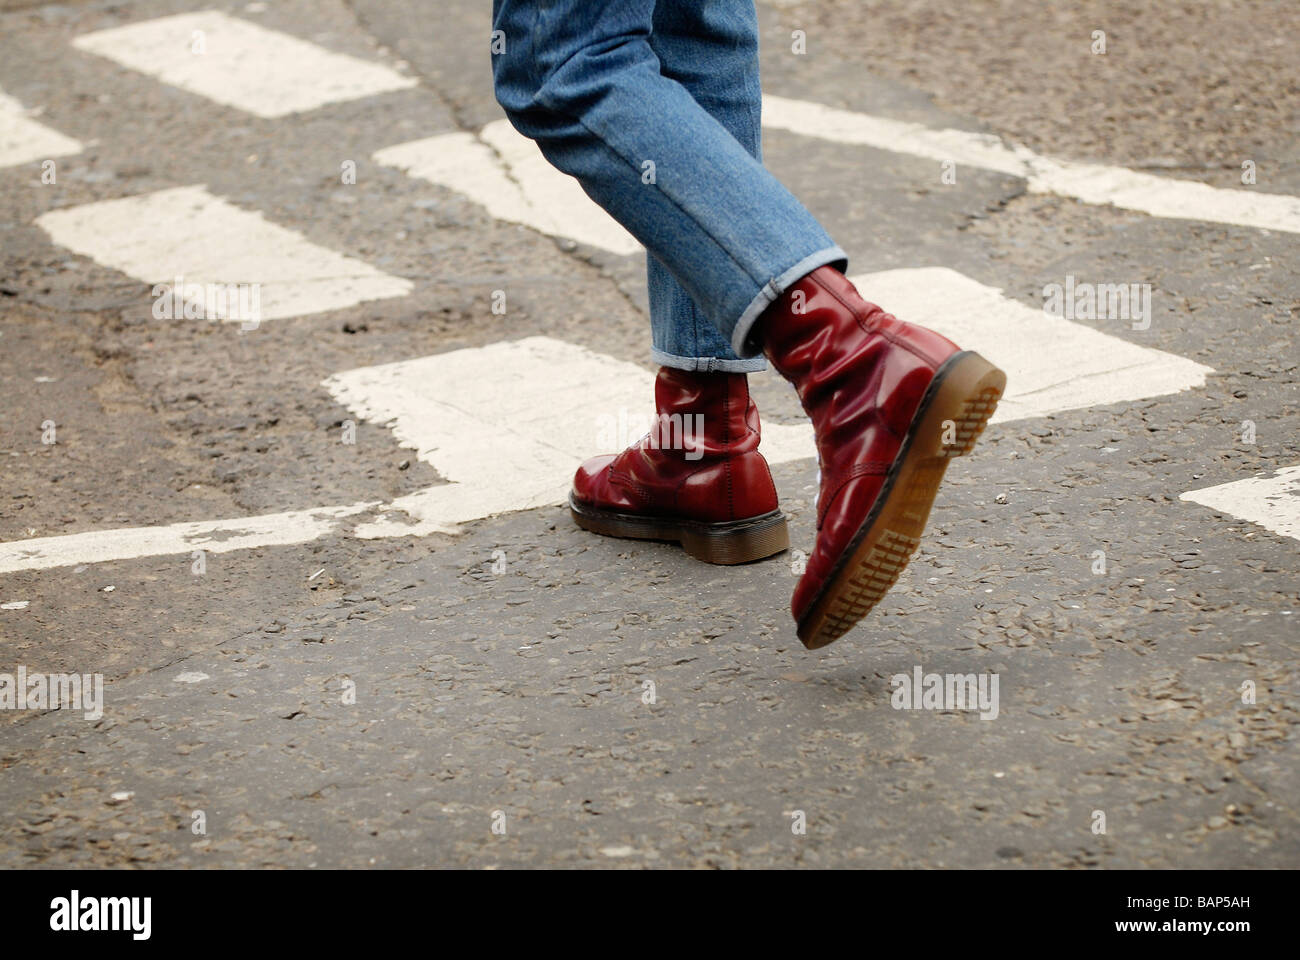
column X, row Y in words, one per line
column 956, row 408
column 738, row 541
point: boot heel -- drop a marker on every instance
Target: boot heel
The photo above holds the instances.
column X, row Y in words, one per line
column 967, row 394
column 741, row 542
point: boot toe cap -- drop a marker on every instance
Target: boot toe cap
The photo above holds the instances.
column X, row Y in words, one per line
column 590, row 478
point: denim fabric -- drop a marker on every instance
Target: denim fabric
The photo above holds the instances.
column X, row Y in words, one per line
column 653, row 105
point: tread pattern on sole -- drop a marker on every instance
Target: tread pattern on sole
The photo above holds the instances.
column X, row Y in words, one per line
column 879, row 569
column 971, row 421
column 877, row 573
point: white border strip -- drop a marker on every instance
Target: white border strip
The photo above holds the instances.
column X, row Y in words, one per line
column 211, row 536
column 1088, row 182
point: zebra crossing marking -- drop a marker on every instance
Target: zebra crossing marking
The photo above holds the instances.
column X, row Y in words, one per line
column 451, row 407
column 189, row 233
column 1273, row 502
column 23, row 140
column 1092, row 183
column 241, row 64
column 506, row 435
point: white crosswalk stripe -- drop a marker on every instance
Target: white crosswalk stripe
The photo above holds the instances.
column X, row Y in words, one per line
column 504, row 172
column 1273, row 502
column 210, row 536
column 23, row 140
column 1052, row 364
column 187, row 232
column 240, row 64
column 512, row 449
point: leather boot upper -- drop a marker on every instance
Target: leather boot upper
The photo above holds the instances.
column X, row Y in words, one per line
column 860, row 374
column 700, row 461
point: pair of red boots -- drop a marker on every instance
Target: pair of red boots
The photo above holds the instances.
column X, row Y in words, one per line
column 890, row 402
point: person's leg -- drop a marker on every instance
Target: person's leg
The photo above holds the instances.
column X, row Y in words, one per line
column 891, row 403
column 583, row 80
column 651, row 105
column 710, row 47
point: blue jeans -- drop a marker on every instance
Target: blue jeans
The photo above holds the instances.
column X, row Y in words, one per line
column 654, row 106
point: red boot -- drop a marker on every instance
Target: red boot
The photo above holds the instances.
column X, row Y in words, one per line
column 697, row 478
column 890, row 403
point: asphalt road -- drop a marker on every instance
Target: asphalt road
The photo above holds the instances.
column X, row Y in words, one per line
column 433, row 681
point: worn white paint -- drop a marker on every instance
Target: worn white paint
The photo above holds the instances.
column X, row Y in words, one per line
column 211, row 536
column 240, row 64
column 505, row 172
column 1087, row 182
column 187, row 232
column 1273, row 502
column 23, row 140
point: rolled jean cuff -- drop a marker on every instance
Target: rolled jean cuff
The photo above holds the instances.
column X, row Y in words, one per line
column 708, row 364
column 773, row 289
